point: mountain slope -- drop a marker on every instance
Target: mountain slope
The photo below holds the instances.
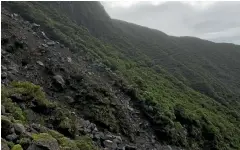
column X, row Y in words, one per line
column 178, row 114
column 187, row 58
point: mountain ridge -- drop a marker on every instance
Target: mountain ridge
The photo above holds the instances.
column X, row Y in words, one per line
column 185, row 117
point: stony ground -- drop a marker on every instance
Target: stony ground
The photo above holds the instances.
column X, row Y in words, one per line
column 84, row 89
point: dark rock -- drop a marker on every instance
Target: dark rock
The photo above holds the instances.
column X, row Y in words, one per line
column 12, row 130
column 3, row 52
column 4, row 145
column 10, row 49
column 4, row 75
column 25, row 142
column 19, row 128
column 87, row 130
column 110, row 144
column 58, row 81
column 98, row 135
column 69, row 99
column 117, row 139
column 37, row 146
column 38, row 127
column 4, row 41
column 35, row 26
column 45, row 45
column 4, row 68
column 3, row 111
column 44, row 35
column 128, row 147
column 44, row 142
column 13, row 68
column 26, row 23
column 19, row 44
column 86, row 123
column 17, row 97
column 12, row 137
column 25, row 62
column 6, row 126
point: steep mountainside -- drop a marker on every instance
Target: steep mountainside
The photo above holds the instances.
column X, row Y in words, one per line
column 139, row 83
column 187, row 58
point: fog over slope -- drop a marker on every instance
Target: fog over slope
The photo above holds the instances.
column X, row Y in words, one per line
column 215, row 21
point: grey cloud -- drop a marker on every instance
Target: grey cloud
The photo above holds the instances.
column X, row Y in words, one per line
column 220, row 22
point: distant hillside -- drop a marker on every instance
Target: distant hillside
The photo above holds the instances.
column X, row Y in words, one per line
column 212, row 69
column 187, row 88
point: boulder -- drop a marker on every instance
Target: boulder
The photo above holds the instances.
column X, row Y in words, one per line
column 59, row 81
column 117, row 139
column 10, row 49
column 15, row 15
column 51, row 43
column 86, row 123
column 4, row 145
column 4, row 75
column 19, row 128
column 43, row 141
column 3, row 52
column 37, row 146
column 6, row 126
column 4, row 68
column 69, row 99
column 12, row 137
column 44, row 35
column 98, row 135
column 44, row 45
column 110, row 144
column 35, row 26
column 38, row 127
column 13, row 68
column 40, row 63
column 69, row 59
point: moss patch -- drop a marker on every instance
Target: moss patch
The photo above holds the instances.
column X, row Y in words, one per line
column 32, row 91
column 10, row 106
column 42, row 136
column 85, row 143
column 17, row 147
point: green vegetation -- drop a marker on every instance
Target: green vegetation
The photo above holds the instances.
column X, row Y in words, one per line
column 17, row 147
column 26, row 92
column 183, row 112
column 33, row 91
column 11, row 106
column 81, row 143
column 42, row 136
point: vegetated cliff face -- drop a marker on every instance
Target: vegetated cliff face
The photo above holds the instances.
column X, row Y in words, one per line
column 188, row 58
column 127, row 79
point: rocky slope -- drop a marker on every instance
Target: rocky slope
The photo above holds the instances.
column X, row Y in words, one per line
column 75, row 106
column 89, row 70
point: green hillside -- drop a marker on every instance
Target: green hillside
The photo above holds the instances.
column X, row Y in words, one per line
column 188, row 88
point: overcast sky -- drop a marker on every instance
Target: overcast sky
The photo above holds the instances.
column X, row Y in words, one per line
column 215, row 21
